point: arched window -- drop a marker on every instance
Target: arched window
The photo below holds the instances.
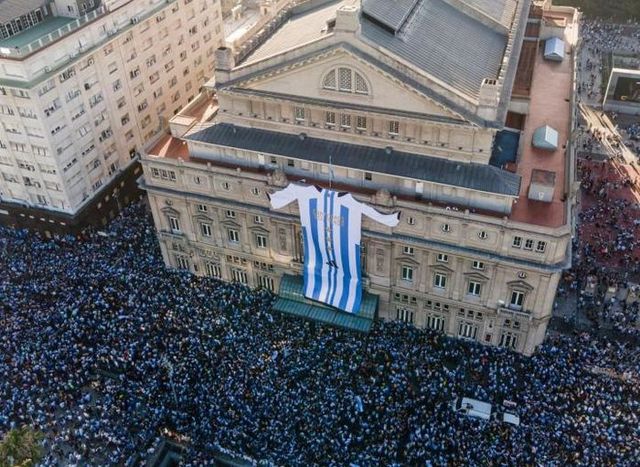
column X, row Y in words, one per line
column 344, row 79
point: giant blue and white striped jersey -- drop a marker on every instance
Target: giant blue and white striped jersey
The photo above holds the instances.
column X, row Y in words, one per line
column 331, row 225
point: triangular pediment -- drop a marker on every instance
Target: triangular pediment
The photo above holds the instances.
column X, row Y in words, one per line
column 372, row 88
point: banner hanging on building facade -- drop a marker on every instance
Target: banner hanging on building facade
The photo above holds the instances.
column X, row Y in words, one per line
column 331, row 228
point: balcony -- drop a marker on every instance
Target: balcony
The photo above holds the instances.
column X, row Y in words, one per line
column 514, row 311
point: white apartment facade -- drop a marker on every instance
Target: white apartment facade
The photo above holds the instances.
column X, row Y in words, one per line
column 84, row 85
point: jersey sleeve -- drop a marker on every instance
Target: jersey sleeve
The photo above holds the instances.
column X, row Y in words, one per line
column 291, row 193
column 390, row 220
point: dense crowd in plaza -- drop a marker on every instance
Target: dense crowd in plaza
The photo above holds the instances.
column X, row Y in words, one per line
column 597, row 38
column 607, row 246
column 608, row 241
column 103, row 350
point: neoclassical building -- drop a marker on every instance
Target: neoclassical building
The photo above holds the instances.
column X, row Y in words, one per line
column 444, row 110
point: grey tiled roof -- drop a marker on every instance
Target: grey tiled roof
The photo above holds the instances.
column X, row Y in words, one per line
column 300, row 29
column 498, row 10
column 446, row 43
column 401, row 164
column 446, row 39
column 392, row 13
column 10, row 9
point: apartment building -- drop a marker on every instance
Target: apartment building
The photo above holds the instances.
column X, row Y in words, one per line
column 83, row 85
column 409, row 109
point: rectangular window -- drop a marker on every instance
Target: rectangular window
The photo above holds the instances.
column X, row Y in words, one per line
column 230, row 214
column 541, row 247
column 345, row 121
column 467, row 330
column 394, row 127
column 266, row 282
column 212, row 269
column 517, row 299
column 517, row 242
column 238, row 275
column 404, row 314
column 508, row 340
column 258, row 220
column 233, row 235
column 407, row 250
column 261, row 241
column 368, row 176
column 440, row 280
column 299, row 114
column 330, row 118
column 528, row 244
column 478, row 265
column 205, row 229
column 182, row 262
column 435, row 322
column 174, row 224
column 474, row 288
column 361, row 122
column 442, row 258
column 407, row 273
column 202, row 208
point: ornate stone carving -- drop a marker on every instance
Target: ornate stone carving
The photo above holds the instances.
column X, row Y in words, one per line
column 278, row 178
column 383, row 198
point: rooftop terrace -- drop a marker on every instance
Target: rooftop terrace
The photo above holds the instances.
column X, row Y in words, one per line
column 550, row 104
column 50, row 25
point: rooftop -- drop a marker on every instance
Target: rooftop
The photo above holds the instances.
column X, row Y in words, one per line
column 301, row 28
column 550, row 104
column 369, row 159
column 459, row 42
column 45, row 33
column 40, row 30
column 170, row 147
column 10, row 9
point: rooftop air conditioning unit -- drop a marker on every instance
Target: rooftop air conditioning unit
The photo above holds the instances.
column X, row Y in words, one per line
column 47, row 69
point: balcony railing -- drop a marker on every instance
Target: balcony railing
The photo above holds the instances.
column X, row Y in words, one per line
column 515, row 311
column 18, row 52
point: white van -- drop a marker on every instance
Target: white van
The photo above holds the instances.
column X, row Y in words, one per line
column 472, row 408
column 511, row 419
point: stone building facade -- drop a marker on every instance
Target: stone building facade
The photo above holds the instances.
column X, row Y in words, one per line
column 476, row 254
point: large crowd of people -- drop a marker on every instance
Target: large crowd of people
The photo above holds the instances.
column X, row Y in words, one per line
column 598, row 38
column 105, row 351
column 607, row 245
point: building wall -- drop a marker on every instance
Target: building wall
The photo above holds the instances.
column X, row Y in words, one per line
column 208, row 202
column 76, row 113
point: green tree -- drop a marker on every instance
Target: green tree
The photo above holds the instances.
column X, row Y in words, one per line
column 21, row 447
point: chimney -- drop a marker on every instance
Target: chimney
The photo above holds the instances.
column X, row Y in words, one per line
column 347, row 19
column 489, row 99
column 224, row 64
